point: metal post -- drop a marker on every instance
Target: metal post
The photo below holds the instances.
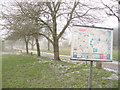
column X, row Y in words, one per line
column 90, row 76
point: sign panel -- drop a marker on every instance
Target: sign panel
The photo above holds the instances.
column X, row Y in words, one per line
column 91, row 42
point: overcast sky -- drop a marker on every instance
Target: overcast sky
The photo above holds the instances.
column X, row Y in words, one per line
column 111, row 21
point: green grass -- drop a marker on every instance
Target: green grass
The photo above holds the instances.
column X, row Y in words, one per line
column 61, row 51
column 28, row 72
column 45, row 50
column 115, row 55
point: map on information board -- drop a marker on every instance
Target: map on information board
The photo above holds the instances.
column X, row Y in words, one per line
column 91, row 42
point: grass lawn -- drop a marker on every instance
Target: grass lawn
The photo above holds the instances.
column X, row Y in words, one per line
column 33, row 72
column 62, row 51
column 115, row 55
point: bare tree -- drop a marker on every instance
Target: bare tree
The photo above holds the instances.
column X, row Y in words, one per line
column 69, row 11
column 21, row 26
column 112, row 9
column 32, row 42
column 61, row 16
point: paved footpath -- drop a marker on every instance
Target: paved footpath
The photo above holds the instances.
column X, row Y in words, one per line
column 111, row 66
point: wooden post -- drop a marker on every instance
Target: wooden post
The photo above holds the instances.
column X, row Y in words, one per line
column 20, row 51
column 99, row 65
column 31, row 53
column 3, row 46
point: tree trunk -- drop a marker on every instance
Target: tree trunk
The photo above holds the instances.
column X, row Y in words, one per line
column 38, row 47
column 3, row 46
column 48, row 45
column 48, row 41
column 56, row 49
column 32, row 44
column 27, row 47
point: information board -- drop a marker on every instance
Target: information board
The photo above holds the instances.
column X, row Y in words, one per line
column 91, row 42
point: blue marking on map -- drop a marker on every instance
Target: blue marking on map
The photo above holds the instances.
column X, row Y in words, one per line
column 109, row 47
column 92, row 39
column 92, row 34
column 86, row 35
column 94, row 49
column 106, row 40
column 109, row 33
column 85, row 55
column 91, row 45
column 74, row 54
column 108, row 56
column 99, row 39
column 80, row 33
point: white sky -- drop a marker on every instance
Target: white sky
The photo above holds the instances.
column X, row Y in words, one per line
column 111, row 21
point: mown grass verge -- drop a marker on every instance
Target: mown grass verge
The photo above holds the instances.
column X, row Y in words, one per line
column 41, row 72
column 61, row 51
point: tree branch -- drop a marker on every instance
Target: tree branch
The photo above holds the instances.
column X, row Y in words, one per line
column 70, row 18
column 46, row 37
column 113, row 13
column 57, row 6
column 42, row 35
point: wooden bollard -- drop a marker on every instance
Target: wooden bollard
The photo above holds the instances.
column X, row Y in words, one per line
column 99, row 65
column 31, row 53
column 21, row 51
